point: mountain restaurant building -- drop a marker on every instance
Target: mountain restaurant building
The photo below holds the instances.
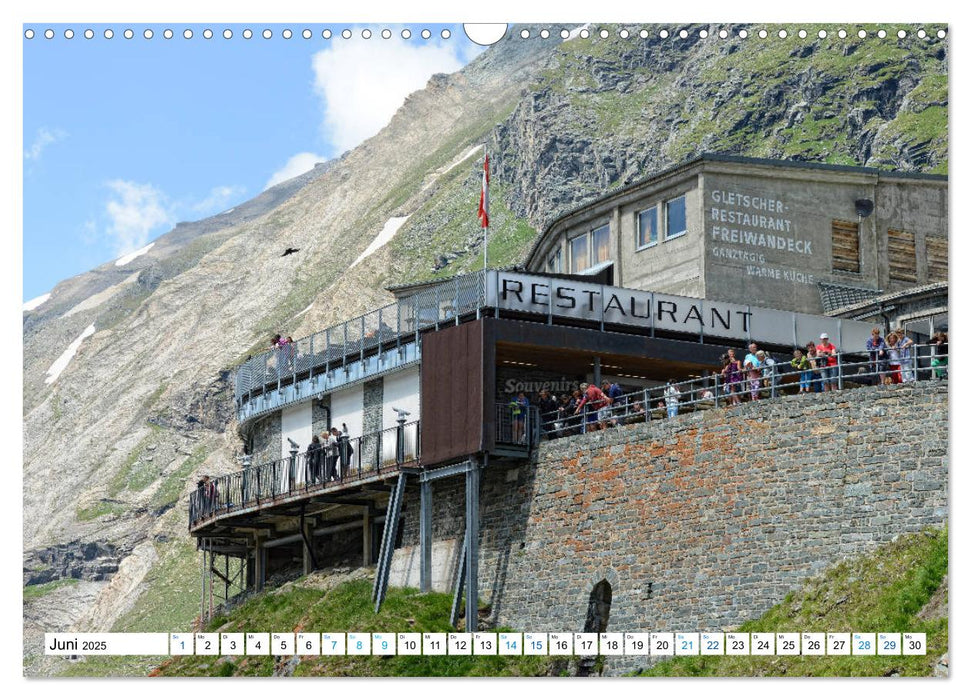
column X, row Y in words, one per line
column 652, row 283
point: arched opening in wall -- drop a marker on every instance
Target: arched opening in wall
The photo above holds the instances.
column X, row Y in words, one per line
column 598, row 615
column 598, row 609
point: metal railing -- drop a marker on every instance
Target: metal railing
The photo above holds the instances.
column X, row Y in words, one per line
column 389, row 327
column 307, row 471
column 852, row 370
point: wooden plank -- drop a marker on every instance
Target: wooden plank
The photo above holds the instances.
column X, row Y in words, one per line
column 846, row 246
column 937, row 262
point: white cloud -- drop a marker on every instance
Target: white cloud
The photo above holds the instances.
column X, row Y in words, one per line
column 44, row 138
column 135, row 210
column 363, row 83
column 297, row 165
column 218, row 198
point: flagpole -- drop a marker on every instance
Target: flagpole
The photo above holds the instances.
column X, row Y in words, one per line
column 485, row 229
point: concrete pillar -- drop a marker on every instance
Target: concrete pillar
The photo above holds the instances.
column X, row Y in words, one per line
column 617, row 247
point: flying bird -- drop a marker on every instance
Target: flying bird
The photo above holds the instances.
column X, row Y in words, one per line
column 289, row 251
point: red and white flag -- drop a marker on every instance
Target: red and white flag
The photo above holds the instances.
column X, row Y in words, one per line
column 484, row 196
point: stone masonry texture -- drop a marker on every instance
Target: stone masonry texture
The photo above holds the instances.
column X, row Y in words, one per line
column 706, row 520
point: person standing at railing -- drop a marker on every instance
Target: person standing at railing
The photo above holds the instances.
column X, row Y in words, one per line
column 206, row 489
column 290, row 350
column 517, row 413
column 596, row 399
column 732, row 377
column 768, row 371
column 939, row 361
column 331, row 454
column 753, row 367
column 800, row 363
column 615, row 398
column 877, row 347
column 547, row 410
column 313, row 460
column 905, row 344
column 827, row 362
column 813, row 358
column 344, row 450
column 671, row 398
column 893, row 356
column 564, row 415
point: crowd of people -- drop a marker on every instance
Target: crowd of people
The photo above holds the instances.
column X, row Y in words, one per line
column 756, row 375
column 329, row 456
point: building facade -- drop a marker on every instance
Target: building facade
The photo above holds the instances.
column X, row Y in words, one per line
column 803, row 237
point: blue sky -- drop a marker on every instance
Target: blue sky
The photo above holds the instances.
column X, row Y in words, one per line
column 122, row 137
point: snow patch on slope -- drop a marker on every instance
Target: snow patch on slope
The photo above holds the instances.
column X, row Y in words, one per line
column 96, row 300
column 304, row 311
column 36, row 301
column 387, row 233
column 61, row 363
column 125, row 259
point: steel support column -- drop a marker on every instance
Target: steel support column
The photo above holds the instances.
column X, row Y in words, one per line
column 259, row 557
column 472, row 547
column 425, row 537
column 368, row 529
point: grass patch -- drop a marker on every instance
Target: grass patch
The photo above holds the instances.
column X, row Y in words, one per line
column 882, row 592
column 170, row 600
column 135, row 474
column 348, row 607
column 39, row 590
column 102, row 507
column 171, row 488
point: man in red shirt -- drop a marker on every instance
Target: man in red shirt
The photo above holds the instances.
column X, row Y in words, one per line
column 596, row 399
column 827, row 362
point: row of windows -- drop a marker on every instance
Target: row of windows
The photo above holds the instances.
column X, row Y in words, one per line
column 901, row 253
column 675, row 220
column 593, row 247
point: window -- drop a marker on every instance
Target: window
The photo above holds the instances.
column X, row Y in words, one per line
column 647, row 228
column 846, row 246
column 936, row 259
column 600, row 239
column 677, row 222
column 589, row 249
column 902, row 256
column 579, row 256
column 555, row 262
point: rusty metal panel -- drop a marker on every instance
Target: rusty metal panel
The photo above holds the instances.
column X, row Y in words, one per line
column 451, row 393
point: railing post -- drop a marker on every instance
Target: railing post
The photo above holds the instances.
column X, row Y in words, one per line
column 399, row 453
column 247, row 463
column 292, row 469
column 716, row 391
column 839, row 371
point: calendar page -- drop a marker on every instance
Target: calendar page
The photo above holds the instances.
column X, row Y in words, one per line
column 534, row 349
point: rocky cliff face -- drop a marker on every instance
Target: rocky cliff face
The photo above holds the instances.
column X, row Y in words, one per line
column 113, row 442
column 607, row 112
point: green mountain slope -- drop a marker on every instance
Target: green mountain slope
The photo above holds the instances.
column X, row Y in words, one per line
column 901, row 587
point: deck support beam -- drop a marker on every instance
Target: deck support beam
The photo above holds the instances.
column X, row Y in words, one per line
column 425, row 537
column 472, row 546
